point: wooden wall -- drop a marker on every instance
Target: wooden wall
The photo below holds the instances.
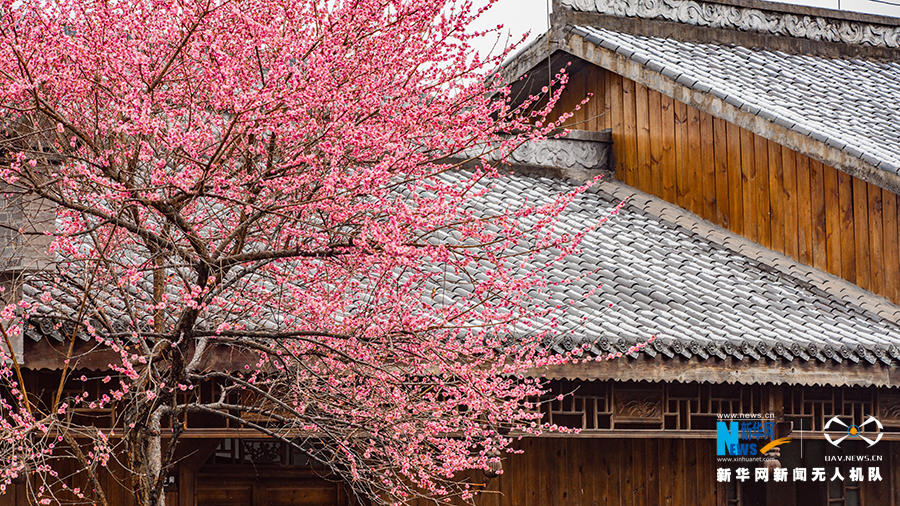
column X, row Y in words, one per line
column 653, row 472
column 608, row 472
column 552, row 471
column 604, row 472
column 770, row 194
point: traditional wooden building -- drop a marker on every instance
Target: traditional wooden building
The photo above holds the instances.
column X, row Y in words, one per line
column 758, row 145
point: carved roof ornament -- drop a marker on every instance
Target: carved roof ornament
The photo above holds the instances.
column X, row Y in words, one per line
column 746, row 19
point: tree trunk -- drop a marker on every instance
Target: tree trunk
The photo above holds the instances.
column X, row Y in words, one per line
column 144, row 447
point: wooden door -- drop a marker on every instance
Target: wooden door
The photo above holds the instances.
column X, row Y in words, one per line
column 255, row 487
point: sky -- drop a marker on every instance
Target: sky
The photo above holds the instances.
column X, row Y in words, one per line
column 521, row 16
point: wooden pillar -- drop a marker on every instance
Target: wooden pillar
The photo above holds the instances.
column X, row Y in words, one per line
column 197, row 452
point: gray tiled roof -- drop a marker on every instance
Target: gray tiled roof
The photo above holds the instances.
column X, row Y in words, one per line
column 660, row 270
column 851, row 105
column 703, row 290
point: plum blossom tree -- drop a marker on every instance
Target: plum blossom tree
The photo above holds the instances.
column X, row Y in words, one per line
column 268, row 180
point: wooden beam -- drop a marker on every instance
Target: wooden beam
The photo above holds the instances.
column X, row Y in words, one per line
column 665, row 434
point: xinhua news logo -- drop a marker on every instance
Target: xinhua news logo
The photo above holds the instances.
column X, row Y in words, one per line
column 746, row 438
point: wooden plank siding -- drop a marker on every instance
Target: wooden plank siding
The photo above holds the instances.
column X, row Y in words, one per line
column 692, row 161
column 832, row 222
column 608, row 472
column 638, row 472
column 552, row 471
column 817, row 204
column 680, row 155
column 752, row 186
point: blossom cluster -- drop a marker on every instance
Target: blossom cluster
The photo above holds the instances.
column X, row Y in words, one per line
column 252, row 198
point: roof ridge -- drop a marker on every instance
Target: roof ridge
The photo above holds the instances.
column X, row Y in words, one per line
column 674, row 215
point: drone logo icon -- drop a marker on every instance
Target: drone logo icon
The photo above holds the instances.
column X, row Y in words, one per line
column 853, row 431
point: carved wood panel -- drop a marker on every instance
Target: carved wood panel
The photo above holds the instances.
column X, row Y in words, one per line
column 638, row 405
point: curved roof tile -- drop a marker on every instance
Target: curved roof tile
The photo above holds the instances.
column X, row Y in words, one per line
column 705, row 291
